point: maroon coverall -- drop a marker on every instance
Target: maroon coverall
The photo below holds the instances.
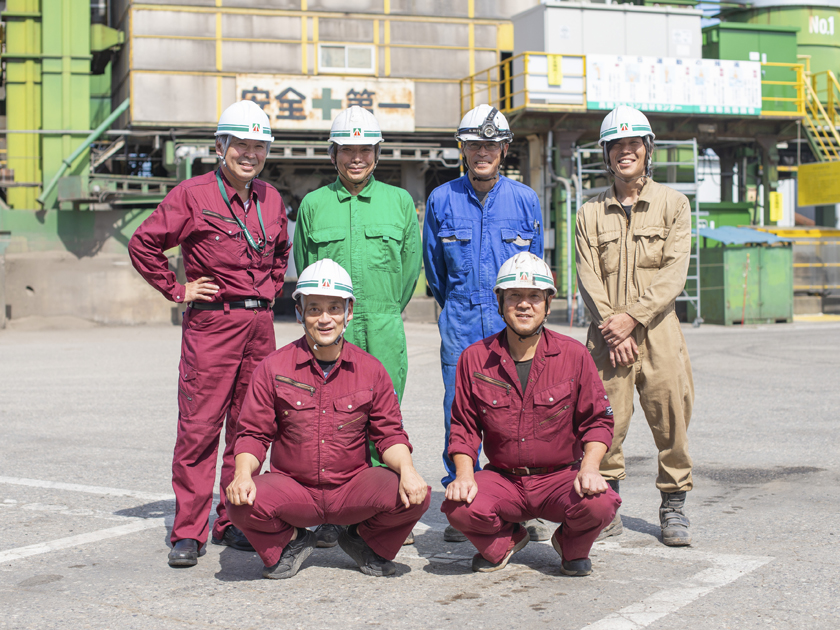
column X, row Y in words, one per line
column 219, row 349
column 320, row 463
column 563, row 407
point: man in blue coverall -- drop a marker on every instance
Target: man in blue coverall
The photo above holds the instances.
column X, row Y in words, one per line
column 474, row 224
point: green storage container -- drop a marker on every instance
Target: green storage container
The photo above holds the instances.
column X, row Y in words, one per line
column 720, row 214
column 767, row 272
column 754, row 42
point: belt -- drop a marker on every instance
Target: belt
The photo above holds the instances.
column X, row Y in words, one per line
column 220, row 306
column 527, row 472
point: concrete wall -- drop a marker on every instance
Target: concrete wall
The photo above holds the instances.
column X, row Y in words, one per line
column 104, row 288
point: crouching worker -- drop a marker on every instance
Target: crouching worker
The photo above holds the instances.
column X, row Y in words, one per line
column 535, row 399
column 315, row 402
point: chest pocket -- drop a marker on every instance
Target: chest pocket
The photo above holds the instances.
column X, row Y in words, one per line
column 650, row 242
column 384, row 247
column 296, row 411
column 457, row 248
column 272, row 231
column 328, row 243
column 351, row 416
column 225, row 237
column 553, row 410
column 493, row 404
column 609, row 251
column 515, row 241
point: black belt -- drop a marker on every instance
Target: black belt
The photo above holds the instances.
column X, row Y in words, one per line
column 220, row 306
column 527, row 472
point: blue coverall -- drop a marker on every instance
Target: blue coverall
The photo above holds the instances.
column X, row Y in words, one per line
column 464, row 245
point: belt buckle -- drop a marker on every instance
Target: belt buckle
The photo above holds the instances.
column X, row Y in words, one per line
column 252, row 303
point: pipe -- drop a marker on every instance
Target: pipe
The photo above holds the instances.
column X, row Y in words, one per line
column 567, row 185
column 68, row 162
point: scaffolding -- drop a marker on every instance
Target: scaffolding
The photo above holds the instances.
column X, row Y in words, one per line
column 677, row 171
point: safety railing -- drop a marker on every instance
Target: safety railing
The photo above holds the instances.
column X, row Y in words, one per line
column 827, row 90
column 781, row 96
column 532, row 80
column 821, row 131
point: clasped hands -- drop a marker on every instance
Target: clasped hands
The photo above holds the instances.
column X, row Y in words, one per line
column 616, row 331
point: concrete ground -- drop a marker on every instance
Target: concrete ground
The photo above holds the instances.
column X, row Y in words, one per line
column 88, row 416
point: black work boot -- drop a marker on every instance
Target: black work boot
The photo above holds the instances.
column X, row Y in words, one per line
column 292, row 557
column 185, row 553
column 615, row 527
column 369, row 562
column 327, row 534
column 233, row 538
column 672, row 519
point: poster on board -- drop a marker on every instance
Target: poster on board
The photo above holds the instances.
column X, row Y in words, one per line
column 669, row 84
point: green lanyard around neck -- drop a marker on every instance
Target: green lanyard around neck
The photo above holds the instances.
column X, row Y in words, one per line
column 248, row 236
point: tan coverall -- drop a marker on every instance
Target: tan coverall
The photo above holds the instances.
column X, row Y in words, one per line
column 639, row 267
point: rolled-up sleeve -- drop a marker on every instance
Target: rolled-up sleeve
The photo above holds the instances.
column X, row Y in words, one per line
column 386, row 426
column 167, row 227
column 464, row 433
column 593, row 418
column 257, row 421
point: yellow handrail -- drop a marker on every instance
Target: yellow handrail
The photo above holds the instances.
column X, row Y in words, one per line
column 820, row 124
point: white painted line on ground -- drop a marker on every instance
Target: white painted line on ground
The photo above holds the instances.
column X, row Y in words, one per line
column 114, row 492
column 726, row 569
column 82, row 539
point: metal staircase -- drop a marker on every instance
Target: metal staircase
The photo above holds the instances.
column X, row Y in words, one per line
column 822, row 115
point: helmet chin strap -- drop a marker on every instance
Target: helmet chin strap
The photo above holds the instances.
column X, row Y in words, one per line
column 315, row 345
column 533, row 334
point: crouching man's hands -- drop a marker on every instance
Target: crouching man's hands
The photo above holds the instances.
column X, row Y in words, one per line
column 242, row 489
column 463, row 487
column 412, row 488
column 589, row 480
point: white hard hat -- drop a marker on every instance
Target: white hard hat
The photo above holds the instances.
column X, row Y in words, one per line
column 325, row 277
column 355, row 125
column 625, row 122
column 484, row 123
column 245, row 120
column 525, row 271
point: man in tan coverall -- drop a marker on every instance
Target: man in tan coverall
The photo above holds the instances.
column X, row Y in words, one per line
column 633, row 243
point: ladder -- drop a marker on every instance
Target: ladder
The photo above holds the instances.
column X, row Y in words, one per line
column 681, row 155
column 822, row 115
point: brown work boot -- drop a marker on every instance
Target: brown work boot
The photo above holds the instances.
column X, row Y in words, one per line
column 672, row 519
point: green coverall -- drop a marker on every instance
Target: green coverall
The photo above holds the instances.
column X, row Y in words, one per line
column 375, row 236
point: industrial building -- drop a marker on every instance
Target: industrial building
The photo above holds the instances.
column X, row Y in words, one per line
column 758, row 89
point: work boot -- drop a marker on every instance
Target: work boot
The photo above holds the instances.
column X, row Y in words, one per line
column 538, row 529
column 520, row 538
column 450, row 534
column 409, row 540
column 327, row 534
column 369, row 562
column 574, row 568
column 185, row 553
column 233, row 538
column 292, row 557
column 615, row 527
column 672, row 519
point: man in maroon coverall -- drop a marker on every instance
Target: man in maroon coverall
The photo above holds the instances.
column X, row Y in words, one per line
column 315, row 402
column 535, row 397
column 232, row 232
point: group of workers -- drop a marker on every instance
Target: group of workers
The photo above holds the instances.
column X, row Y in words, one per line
column 550, row 414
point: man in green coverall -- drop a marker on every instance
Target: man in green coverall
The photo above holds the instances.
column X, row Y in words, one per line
column 370, row 229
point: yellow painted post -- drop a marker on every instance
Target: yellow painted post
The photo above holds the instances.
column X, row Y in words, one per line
column 388, row 48
column 304, row 66
column 315, row 41
column 376, row 48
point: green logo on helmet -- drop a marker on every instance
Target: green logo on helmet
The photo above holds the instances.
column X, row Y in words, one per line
column 255, row 127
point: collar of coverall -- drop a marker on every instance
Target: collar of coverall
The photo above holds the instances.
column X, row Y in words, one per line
column 252, row 190
column 304, row 354
column 547, row 347
column 645, row 195
column 490, row 193
column 366, row 192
